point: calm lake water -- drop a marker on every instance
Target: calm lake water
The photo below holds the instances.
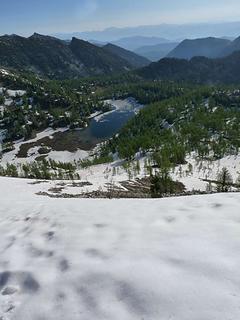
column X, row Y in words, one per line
column 104, row 126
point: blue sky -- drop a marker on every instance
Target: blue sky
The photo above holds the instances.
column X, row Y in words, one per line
column 52, row 16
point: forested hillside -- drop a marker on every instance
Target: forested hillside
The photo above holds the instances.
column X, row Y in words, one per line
column 206, row 47
column 202, row 120
column 178, row 120
column 197, row 70
column 54, row 58
column 29, row 104
column 135, row 60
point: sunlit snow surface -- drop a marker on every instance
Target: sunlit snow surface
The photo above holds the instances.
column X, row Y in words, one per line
column 174, row 258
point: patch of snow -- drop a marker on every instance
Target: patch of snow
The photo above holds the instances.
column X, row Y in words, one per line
column 33, row 152
column 2, row 108
column 66, row 156
column 95, row 114
column 123, row 105
column 15, row 93
column 4, row 72
column 8, row 102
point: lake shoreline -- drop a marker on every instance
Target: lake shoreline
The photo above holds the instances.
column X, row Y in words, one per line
column 75, row 142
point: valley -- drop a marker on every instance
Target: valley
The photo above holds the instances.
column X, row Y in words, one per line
column 149, row 127
column 130, row 130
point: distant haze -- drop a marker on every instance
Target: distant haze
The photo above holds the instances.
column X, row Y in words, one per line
column 171, row 32
column 66, row 16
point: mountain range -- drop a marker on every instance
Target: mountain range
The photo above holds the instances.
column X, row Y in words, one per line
column 152, row 48
column 172, row 32
column 208, row 47
column 156, row 52
column 155, row 48
column 196, row 70
column 55, row 58
column 208, row 60
column 133, row 43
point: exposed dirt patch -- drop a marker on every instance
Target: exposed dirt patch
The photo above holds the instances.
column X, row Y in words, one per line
column 38, row 182
column 140, row 188
column 61, row 141
column 56, row 190
column 80, row 184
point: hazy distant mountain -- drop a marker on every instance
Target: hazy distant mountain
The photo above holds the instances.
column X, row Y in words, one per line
column 156, row 52
column 206, row 47
column 132, row 58
column 132, row 43
column 232, row 47
column 228, row 38
column 55, row 58
column 98, row 43
column 169, row 31
column 198, row 69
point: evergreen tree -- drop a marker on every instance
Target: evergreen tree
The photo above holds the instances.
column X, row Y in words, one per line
column 224, row 180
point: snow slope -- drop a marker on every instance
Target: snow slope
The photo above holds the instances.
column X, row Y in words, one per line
column 193, row 179
column 81, row 259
